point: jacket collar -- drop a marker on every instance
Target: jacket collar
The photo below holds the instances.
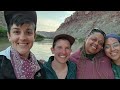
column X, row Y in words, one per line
column 6, row 53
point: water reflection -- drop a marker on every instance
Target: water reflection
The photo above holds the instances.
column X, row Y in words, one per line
column 41, row 49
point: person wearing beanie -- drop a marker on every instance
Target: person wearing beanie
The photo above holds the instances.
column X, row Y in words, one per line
column 59, row 66
column 112, row 50
column 17, row 61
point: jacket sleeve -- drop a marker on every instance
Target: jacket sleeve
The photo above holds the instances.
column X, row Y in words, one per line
column 41, row 71
column 75, row 57
column 1, row 58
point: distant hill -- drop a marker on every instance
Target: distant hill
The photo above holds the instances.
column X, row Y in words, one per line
column 2, row 20
column 46, row 34
column 81, row 22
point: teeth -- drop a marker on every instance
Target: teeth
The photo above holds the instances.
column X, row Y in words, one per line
column 23, row 44
column 113, row 54
column 62, row 56
column 94, row 47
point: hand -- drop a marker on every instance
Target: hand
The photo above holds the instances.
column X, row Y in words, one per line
column 42, row 61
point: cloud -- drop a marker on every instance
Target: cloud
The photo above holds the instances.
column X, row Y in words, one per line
column 48, row 23
column 69, row 12
column 45, row 24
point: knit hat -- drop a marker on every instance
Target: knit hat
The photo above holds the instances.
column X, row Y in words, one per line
column 113, row 36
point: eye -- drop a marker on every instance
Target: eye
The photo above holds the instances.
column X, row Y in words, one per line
column 107, row 46
column 16, row 32
column 116, row 44
column 59, row 47
column 94, row 39
column 30, row 32
column 68, row 48
column 100, row 43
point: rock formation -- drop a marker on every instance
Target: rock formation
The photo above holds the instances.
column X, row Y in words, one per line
column 81, row 22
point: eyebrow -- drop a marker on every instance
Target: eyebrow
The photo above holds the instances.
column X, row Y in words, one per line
column 16, row 28
column 112, row 43
column 97, row 38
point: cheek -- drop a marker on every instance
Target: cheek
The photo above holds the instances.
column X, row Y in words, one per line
column 11, row 39
column 87, row 43
column 69, row 51
column 107, row 52
column 32, row 39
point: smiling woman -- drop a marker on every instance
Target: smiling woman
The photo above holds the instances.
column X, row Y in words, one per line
column 18, row 57
column 91, row 61
column 112, row 50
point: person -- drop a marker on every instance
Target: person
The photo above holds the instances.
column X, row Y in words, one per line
column 112, row 50
column 59, row 66
column 17, row 61
column 92, row 63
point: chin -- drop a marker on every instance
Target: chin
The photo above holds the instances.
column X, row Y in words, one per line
column 23, row 52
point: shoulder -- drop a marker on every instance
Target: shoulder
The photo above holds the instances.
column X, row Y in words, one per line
column 41, row 72
column 4, row 59
column 40, row 63
column 75, row 56
column 72, row 64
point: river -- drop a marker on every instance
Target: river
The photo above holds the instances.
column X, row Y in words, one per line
column 41, row 49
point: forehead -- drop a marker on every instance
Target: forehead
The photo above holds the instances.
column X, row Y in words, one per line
column 97, row 35
column 111, row 40
column 62, row 41
column 23, row 26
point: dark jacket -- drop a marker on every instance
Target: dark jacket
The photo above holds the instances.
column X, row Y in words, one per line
column 50, row 73
column 7, row 71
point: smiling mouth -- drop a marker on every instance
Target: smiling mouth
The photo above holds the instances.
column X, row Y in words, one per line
column 63, row 56
column 113, row 54
column 94, row 47
column 22, row 44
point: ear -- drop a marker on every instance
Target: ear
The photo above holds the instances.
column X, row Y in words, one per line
column 85, row 39
column 35, row 36
column 8, row 35
column 52, row 50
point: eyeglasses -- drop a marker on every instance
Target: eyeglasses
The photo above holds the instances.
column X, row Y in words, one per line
column 116, row 44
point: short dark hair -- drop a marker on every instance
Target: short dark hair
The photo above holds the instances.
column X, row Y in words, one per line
column 20, row 18
column 97, row 30
column 63, row 37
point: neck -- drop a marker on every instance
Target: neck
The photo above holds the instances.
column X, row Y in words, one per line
column 25, row 57
column 58, row 66
column 61, row 69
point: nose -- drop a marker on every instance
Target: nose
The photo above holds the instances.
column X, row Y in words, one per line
column 112, row 48
column 22, row 36
column 63, row 51
column 97, row 43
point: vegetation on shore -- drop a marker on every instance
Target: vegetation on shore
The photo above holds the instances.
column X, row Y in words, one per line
column 39, row 38
column 3, row 34
column 80, row 40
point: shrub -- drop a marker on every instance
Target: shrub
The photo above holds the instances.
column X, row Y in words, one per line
column 3, row 32
column 39, row 38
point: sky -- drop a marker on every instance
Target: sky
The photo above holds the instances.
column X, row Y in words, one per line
column 49, row 21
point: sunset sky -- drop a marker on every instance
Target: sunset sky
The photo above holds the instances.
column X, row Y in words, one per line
column 50, row 20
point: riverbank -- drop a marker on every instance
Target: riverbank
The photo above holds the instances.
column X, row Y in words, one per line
column 3, row 35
